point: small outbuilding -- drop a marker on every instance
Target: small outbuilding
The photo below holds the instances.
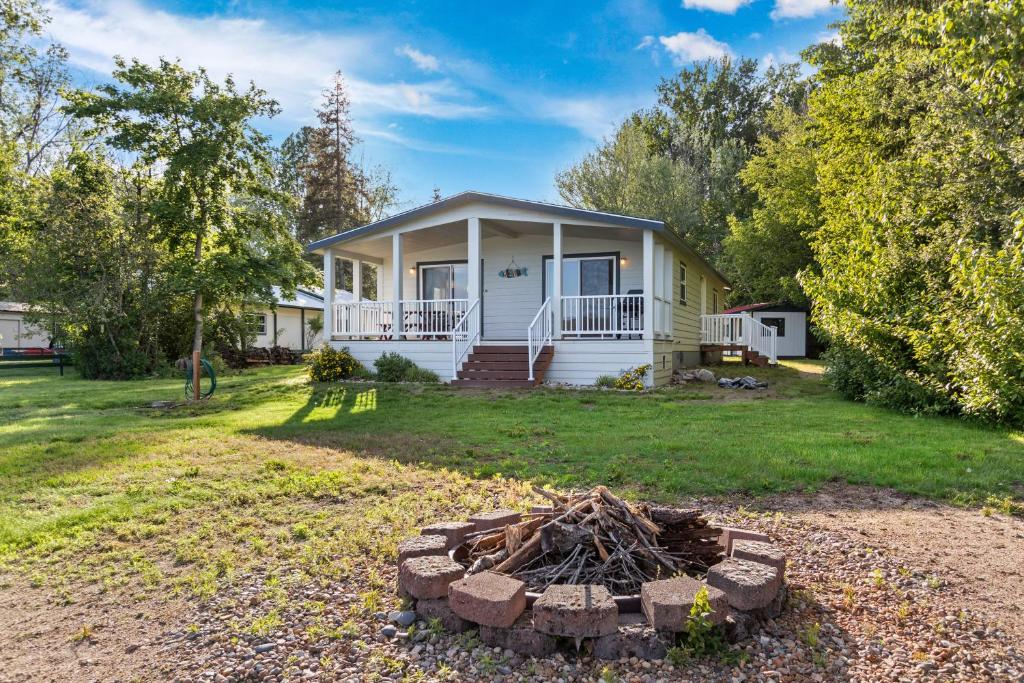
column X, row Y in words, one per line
column 794, row 338
column 16, row 332
column 290, row 324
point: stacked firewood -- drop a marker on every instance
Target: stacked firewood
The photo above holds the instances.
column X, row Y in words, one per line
column 596, row 538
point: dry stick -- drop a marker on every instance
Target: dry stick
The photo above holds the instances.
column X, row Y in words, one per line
column 525, row 553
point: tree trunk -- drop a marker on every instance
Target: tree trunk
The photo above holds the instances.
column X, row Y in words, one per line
column 197, row 303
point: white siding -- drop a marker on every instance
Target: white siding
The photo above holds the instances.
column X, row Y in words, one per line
column 288, row 327
column 16, row 333
column 794, row 344
column 574, row 362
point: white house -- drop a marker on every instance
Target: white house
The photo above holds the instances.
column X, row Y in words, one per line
column 288, row 324
column 489, row 290
column 15, row 333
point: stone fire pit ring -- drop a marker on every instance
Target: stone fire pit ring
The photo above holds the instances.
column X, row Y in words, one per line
column 748, row 585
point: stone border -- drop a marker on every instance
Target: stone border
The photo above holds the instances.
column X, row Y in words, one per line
column 745, row 587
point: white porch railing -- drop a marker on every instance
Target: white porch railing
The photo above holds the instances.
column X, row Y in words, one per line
column 738, row 329
column 421, row 318
column 465, row 334
column 363, row 319
column 603, row 315
column 540, row 332
column 432, row 318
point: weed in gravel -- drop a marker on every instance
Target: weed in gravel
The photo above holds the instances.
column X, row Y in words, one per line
column 903, row 612
column 849, row 596
column 877, row 577
column 811, row 635
column 608, row 675
column 82, row 634
column 266, row 624
column 933, row 582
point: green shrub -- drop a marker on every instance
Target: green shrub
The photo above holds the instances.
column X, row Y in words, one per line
column 633, row 378
column 327, row 364
column 422, row 375
column 392, row 367
column 606, row 381
column 859, row 377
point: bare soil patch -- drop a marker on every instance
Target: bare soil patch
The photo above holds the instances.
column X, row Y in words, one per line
column 98, row 637
column 978, row 557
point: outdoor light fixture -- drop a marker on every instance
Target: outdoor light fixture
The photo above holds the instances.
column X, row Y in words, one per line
column 623, row 261
column 412, row 271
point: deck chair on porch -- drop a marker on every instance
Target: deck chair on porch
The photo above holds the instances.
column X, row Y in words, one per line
column 631, row 315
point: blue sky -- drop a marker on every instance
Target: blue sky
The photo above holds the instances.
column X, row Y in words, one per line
column 454, row 95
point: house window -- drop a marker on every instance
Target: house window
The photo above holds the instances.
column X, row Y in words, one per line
column 583, row 275
column 258, row 322
column 778, row 323
column 714, row 301
column 368, row 289
column 443, row 281
column 682, row 283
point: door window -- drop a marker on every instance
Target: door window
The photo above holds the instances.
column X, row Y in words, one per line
column 444, row 281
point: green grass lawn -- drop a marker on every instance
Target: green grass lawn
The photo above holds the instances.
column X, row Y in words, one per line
column 95, row 486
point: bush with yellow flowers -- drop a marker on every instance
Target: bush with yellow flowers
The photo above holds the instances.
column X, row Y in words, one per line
column 633, row 378
column 327, row 364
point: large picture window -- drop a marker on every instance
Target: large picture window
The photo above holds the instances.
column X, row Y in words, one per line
column 583, row 275
column 443, row 281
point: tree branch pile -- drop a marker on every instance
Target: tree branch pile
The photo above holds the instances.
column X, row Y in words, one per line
column 596, row 537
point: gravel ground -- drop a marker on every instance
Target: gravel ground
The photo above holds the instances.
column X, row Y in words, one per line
column 855, row 613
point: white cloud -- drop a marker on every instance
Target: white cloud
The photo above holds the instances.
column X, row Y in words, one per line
column 645, row 42
column 422, row 60
column 723, row 6
column 593, row 116
column 800, row 9
column 690, row 47
column 829, row 37
column 293, row 67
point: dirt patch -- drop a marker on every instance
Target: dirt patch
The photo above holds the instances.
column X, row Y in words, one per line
column 100, row 636
column 975, row 556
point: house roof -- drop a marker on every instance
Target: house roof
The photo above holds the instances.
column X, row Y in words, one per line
column 774, row 305
column 559, row 210
column 13, row 307
column 303, row 299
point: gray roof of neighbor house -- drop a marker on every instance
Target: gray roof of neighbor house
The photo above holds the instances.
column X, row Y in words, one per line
column 303, row 299
column 13, row 307
column 470, row 196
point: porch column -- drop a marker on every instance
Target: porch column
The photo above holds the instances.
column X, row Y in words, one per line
column 556, row 276
column 357, row 280
column 648, row 284
column 328, row 295
column 397, row 276
column 473, row 266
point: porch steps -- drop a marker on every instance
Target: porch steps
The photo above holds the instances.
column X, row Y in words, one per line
column 503, row 367
column 749, row 357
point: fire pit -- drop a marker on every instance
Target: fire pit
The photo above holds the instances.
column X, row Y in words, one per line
column 590, row 566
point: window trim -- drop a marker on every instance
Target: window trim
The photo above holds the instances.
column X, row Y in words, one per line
column 615, row 256
column 682, row 283
column 780, row 330
column 420, row 265
column 260, row 328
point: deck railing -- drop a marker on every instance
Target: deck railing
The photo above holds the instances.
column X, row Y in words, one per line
column 540, row 332
column 465, row 334
column 603, row 315
column 371, row 319
column 421, row 318
column 739, row 329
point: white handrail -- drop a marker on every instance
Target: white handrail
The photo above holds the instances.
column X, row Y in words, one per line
column 546, row 317
column 465, row 334
column 738, row 329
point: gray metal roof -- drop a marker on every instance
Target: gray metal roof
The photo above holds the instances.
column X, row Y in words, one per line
column 559, row 210
column 496, row 199
column 302, row 299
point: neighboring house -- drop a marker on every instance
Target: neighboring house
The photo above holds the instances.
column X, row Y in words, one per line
column 15, row 333
column 288, row 325
column 790, row 323
column 490, row 290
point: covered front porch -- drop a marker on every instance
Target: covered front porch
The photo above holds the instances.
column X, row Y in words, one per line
column 511, row 279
